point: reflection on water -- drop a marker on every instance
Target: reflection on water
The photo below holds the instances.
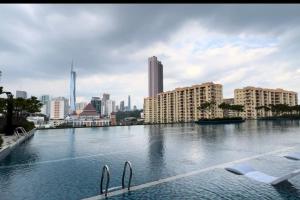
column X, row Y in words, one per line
column 287, row 190
column 156, row 149
column 72, row 139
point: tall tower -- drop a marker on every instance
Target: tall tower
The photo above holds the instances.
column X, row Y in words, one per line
column 155, row 76
column 129, row 103
column 72, row 91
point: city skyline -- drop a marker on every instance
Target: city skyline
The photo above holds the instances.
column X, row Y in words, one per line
column 194, row 47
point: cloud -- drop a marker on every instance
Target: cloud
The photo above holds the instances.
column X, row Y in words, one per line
column 236, row 45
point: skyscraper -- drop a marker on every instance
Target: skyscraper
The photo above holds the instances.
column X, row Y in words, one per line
column 21, row 94
column 129, row 103
column 110, row 105
column 72, row 91
column 96, row 101
column 122, row 106
column 155, row 76
column 45, row 100
column 105, row 98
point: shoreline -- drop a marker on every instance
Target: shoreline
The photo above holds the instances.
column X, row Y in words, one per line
column 277, row 119
column 8, row 148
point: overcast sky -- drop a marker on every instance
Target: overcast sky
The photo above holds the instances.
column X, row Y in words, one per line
column 235, row 45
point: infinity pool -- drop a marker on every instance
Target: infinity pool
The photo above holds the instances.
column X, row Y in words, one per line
column 67, row 163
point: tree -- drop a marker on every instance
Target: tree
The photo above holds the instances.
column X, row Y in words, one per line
column 207, row 107
column 237, row 108
column 16, row 110
column 265, row 108
column 225, row 107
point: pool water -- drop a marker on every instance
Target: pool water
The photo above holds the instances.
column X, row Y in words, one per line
column 67, row 163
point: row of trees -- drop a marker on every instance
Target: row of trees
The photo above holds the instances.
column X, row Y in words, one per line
column 21, row 107
column 14, row 111
column 208, row 107
column 276, row 110
column 280, row 109
column 120, row 115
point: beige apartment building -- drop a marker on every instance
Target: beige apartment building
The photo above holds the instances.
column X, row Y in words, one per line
column 181, row 104
column 252, row 97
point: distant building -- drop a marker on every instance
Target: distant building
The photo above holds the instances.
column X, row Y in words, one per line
column 59, row 108
column 105, row 96
column 142, row 115
column 122, row 106
column 113, row 120
column 21, row 94
column 129, row 103
column 117, row 108
column 252, row 97
column 155, row 76
column 45, row 100
column 89, row 112
column 134, row 107
column 37, row 120
column 96, row 101
column 229, row 113
column 110, row 105
column 104, row 110
column 89, row 117
column 181, row 104
column 72, row 91
column 79, row 107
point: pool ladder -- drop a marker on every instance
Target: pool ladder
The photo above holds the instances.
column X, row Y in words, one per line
column 105, row 171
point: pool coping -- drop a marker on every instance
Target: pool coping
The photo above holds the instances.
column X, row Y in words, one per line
column 188, row 174
column 6, row 150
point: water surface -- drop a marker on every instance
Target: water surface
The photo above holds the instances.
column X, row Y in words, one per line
column 67, row 163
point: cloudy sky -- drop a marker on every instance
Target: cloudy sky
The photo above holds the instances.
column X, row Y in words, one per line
column 235, row 45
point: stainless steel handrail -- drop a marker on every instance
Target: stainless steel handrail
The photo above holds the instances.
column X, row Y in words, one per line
column 127, row 163
column 105, row 169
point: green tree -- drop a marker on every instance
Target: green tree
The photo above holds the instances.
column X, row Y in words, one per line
column 237, row 108
column 207, row 107
column 225, row 107
column 265, row 108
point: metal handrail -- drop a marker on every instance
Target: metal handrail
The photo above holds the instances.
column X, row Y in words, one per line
column 104, row 169
column 127, row 163
column 23, row 131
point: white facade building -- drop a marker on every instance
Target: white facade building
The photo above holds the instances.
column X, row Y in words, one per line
column 59, row 108
column 111, row 106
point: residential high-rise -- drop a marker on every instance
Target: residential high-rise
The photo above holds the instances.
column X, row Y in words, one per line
column 226, row 112
column 181, row 104
column 105, row 98
column 21, row 94
column 45, row 100
column 155, row 76
column 129, row 103
column 96, row 101
column 110, row 104
column 252, row 97
column 134, row 107
column 122, row 106
column 72, row 91
column 59, row 108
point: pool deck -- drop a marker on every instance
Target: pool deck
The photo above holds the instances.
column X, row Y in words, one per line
column 11, row 142
column 179, row 176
